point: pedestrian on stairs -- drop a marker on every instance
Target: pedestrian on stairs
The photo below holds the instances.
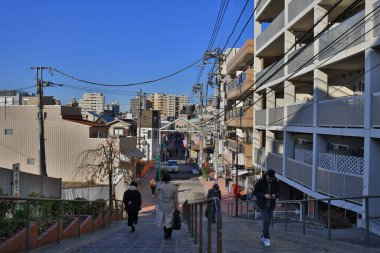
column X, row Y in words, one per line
column 267, row 190
column 132, row 203
column 167, row 204
column 212, row 193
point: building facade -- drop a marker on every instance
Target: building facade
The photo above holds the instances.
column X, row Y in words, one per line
column 316, row 118
column 135, row 105
column 168, row 105
column 147, row 131
column 12, row 97
column 92, row 102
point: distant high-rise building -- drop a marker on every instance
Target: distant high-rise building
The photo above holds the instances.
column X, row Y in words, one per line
column 168, row 105
column 12, row 97
column 92, row 102
column 114, row 108
column 135, row 105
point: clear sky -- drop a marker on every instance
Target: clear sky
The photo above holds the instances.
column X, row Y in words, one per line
column 114, row 41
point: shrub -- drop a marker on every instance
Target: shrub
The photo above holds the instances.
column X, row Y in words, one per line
column 205, row 172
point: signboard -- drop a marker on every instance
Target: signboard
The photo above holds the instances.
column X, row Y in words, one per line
column 16, row 180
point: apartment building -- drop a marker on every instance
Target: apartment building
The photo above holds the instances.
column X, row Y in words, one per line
column 66, row 137
column 316, row 119
column 146, row 104
column 168, row 105
column 148, row 132
column 238, row 108
column 12, row 97
column 92, row 102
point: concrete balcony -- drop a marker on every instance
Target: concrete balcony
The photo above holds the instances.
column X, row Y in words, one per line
column 241, row 84
column 259, row 156
column 272, row 31
column 274, row 162
column 261, row 117
column 242, row 59
column 300, row 115
column 247, row 150
column 244, row 120
column 341, row 112
column 302, row 60
column 376, row 21
column 276, row 116
column 270, row 73
column 353, row 37
column 299, row 172
column 295, row 7
column 375, row 110
column 261, row 5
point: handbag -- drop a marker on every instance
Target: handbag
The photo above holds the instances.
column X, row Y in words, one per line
column 176, row 221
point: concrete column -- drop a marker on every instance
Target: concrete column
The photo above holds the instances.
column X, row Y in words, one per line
column 270, row 102
column 319, row 146
column 371, row 172
column 288, row 149
column 318, row 13
column 289, row 98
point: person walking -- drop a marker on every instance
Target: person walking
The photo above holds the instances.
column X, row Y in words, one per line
column 132, row 203
column 153, row 186
column 267, row 190
column 167, row 204
column 213, row 192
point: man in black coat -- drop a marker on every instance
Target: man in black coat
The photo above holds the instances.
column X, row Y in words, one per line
column 267, row 190
column 132, row 203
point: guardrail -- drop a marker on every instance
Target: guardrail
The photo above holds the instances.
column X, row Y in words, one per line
column 29, row 209
column 302, row 211
column 193, row 213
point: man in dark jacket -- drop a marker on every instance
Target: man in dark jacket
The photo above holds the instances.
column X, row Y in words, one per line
column 212, row 193
column 267, row 190
column 132, row 203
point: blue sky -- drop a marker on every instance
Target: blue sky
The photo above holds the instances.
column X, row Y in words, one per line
column 111, row 42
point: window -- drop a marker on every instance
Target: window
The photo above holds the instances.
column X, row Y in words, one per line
column 118, row 131
column 30, row 161
column 334, row 146
column 8, row 132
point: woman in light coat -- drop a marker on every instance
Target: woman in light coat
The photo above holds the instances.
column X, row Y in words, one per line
column 167, row 204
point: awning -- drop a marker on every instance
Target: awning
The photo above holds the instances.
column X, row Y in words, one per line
column 240, row 173
column 131, row 153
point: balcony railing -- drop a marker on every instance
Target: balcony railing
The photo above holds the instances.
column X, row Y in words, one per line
column 299, row 172
column 260, row 6
column 259, row 155
column 303, row 155
column 376, row 20
column 375, row 110
column 261, row 117
column 339, row 185
column 353, row 37
column 301, row 60
column 233, row 145
column 274, row 162
column 242, row 58
column 300, row 115
column 271, row 31
column 240, row 84
column 341, row 112
column 276, row 116
column 240, row 118
column 263, row 76
column 295, row 7
column 344, row 164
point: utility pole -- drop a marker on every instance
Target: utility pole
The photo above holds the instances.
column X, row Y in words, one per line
column 198, row 88
column 39, row 84
column 140, row 112
column 237, row 169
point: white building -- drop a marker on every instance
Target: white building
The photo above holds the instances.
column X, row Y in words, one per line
column 315, row 123
column 92, row 102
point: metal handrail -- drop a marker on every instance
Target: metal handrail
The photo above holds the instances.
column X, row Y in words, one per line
column 79, row 202
column 195, row 209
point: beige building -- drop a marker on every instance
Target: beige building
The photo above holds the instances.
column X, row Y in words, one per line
column 92, row 102
column 66, row 134
column 168, row 105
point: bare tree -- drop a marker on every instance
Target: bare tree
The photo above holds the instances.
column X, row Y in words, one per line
column 104, row 162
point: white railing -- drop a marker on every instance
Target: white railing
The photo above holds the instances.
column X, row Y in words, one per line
column 303, row 155
column 260, row 117
column 339, row 185
column 299, row 172
column 295, row 7
column 276, row 116
column 263, row 76
column 300, row 115
column 271, row 31
column 353, row 30
column 341, row 112
column 274, row 162
column 344, row 164
column 376, row 110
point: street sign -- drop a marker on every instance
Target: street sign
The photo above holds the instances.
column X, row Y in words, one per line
column 16, row 180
